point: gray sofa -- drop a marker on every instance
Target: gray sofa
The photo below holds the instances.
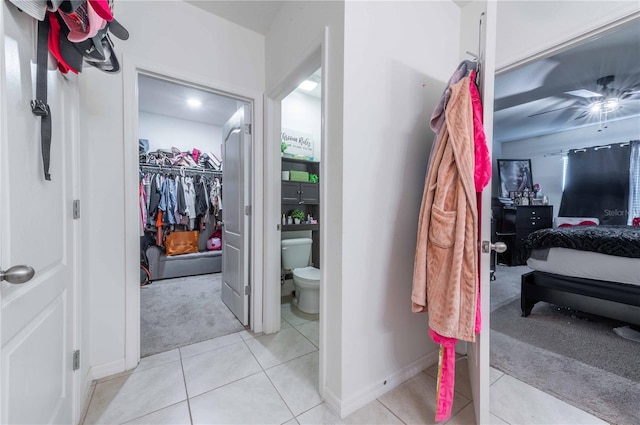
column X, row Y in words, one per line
column 163, row 266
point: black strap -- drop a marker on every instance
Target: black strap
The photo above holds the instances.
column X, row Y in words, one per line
column 39, row 105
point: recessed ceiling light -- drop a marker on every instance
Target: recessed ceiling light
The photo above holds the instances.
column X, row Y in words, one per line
column 308, row 85
column 194, row 103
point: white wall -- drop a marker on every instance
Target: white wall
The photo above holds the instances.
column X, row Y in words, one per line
column 398, row 58
column 526, row 28
column 164, row 132
column 394, row 73
column 295, row 34
column 303, row 113
column 547, row 170
column 187, row 43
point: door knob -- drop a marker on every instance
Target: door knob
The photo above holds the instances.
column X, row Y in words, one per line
column 17, row 274
column 498, row 247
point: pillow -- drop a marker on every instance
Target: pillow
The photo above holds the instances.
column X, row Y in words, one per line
column 576, row 221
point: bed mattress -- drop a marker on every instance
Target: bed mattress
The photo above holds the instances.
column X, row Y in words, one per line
column 586, row 264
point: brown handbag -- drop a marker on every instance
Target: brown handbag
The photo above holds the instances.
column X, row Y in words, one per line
column 177, row 243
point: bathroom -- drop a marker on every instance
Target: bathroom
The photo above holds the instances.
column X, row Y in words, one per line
column 300, row 204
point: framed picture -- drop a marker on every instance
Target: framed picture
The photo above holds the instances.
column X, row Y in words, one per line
column 515, row 176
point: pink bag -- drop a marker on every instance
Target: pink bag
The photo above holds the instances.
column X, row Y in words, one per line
column 195, row 154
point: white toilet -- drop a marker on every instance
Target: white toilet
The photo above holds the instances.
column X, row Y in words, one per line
column 306, row 280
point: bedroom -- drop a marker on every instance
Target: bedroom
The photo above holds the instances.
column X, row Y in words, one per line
column 536, row 120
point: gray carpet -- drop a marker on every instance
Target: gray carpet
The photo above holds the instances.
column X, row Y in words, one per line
column 574, row 356
column 183, row 311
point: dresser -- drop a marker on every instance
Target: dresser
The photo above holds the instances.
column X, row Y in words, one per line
column 513, row 225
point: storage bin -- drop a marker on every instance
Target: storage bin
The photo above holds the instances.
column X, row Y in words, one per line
column 298, row 176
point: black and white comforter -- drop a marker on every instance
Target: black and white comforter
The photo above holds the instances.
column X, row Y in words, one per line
column 621, row 241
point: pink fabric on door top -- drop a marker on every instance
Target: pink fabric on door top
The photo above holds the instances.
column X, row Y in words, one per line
column 482, row 174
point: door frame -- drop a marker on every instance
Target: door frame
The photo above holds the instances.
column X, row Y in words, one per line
column 540, row 52
column 132, row 67
column 313, row 58
column 479, row 352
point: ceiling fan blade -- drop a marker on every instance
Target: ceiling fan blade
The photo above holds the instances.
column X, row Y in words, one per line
column 553, row 110
column 582, row 115
column 631, row 94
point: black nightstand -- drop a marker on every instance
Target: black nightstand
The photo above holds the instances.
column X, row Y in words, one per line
column 514, row 223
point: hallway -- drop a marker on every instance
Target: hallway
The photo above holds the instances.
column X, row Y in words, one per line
column 273, row 379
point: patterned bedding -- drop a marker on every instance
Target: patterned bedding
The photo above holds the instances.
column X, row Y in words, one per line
column 621, row 241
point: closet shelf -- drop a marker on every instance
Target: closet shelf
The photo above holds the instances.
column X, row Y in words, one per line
column 150, row 168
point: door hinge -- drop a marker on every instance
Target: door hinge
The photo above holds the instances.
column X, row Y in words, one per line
column 247, row 290
column 247, row 128
column 76, row 209
column 247, row 210
column 76, row 360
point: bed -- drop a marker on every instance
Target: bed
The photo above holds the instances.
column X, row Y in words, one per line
column 594, row 269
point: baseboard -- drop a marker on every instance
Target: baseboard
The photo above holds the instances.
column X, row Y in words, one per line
column 366, row 396
column 331, row 400
column 107, row 369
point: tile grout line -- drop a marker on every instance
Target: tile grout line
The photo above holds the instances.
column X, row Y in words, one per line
column 269, row 378
column 293, row 416
column 157, row 410
column 186, row 390
column 86, row 411
column 390, row 411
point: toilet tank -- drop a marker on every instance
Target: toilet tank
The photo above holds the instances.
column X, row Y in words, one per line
column 296, row 252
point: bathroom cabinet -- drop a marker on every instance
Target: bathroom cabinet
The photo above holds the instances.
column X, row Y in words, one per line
column 300, row 193
column 304, row 196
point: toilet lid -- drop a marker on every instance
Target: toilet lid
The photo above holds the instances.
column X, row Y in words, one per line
column 307, row 273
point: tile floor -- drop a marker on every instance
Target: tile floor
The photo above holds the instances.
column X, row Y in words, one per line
column 272, row 379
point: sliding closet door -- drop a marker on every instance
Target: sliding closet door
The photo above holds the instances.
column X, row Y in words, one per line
column 479, row 351
column 235, row 213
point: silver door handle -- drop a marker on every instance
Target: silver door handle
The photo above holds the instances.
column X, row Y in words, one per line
column 498, row 247
column 17, row 274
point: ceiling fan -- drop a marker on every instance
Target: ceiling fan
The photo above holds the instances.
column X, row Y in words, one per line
column 603, row 102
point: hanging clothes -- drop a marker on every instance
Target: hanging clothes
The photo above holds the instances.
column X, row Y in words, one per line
column 190, row 201
column 154, row 198
column 445, row 269
column 168, row 201
column 201, row 202
column 142, row 199
column 445, row 281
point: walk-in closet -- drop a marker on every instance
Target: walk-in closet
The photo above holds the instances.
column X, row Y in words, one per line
column 181, row 169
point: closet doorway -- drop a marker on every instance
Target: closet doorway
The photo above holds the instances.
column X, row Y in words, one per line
column 192, row 143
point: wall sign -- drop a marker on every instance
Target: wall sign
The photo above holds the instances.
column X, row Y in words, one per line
column 296, row 144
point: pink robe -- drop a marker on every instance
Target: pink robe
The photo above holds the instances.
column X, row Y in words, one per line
column 466, row 130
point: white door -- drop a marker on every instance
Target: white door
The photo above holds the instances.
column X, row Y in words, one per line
column 479, row 351
column 236, row 135
column 36, row 229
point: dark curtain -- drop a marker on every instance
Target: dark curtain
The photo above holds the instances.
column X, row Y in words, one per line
column 597, row 184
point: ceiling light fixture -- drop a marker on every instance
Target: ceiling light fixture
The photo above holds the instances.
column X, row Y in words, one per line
column 308, row 85
column 194, row 103
column 603, row 109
